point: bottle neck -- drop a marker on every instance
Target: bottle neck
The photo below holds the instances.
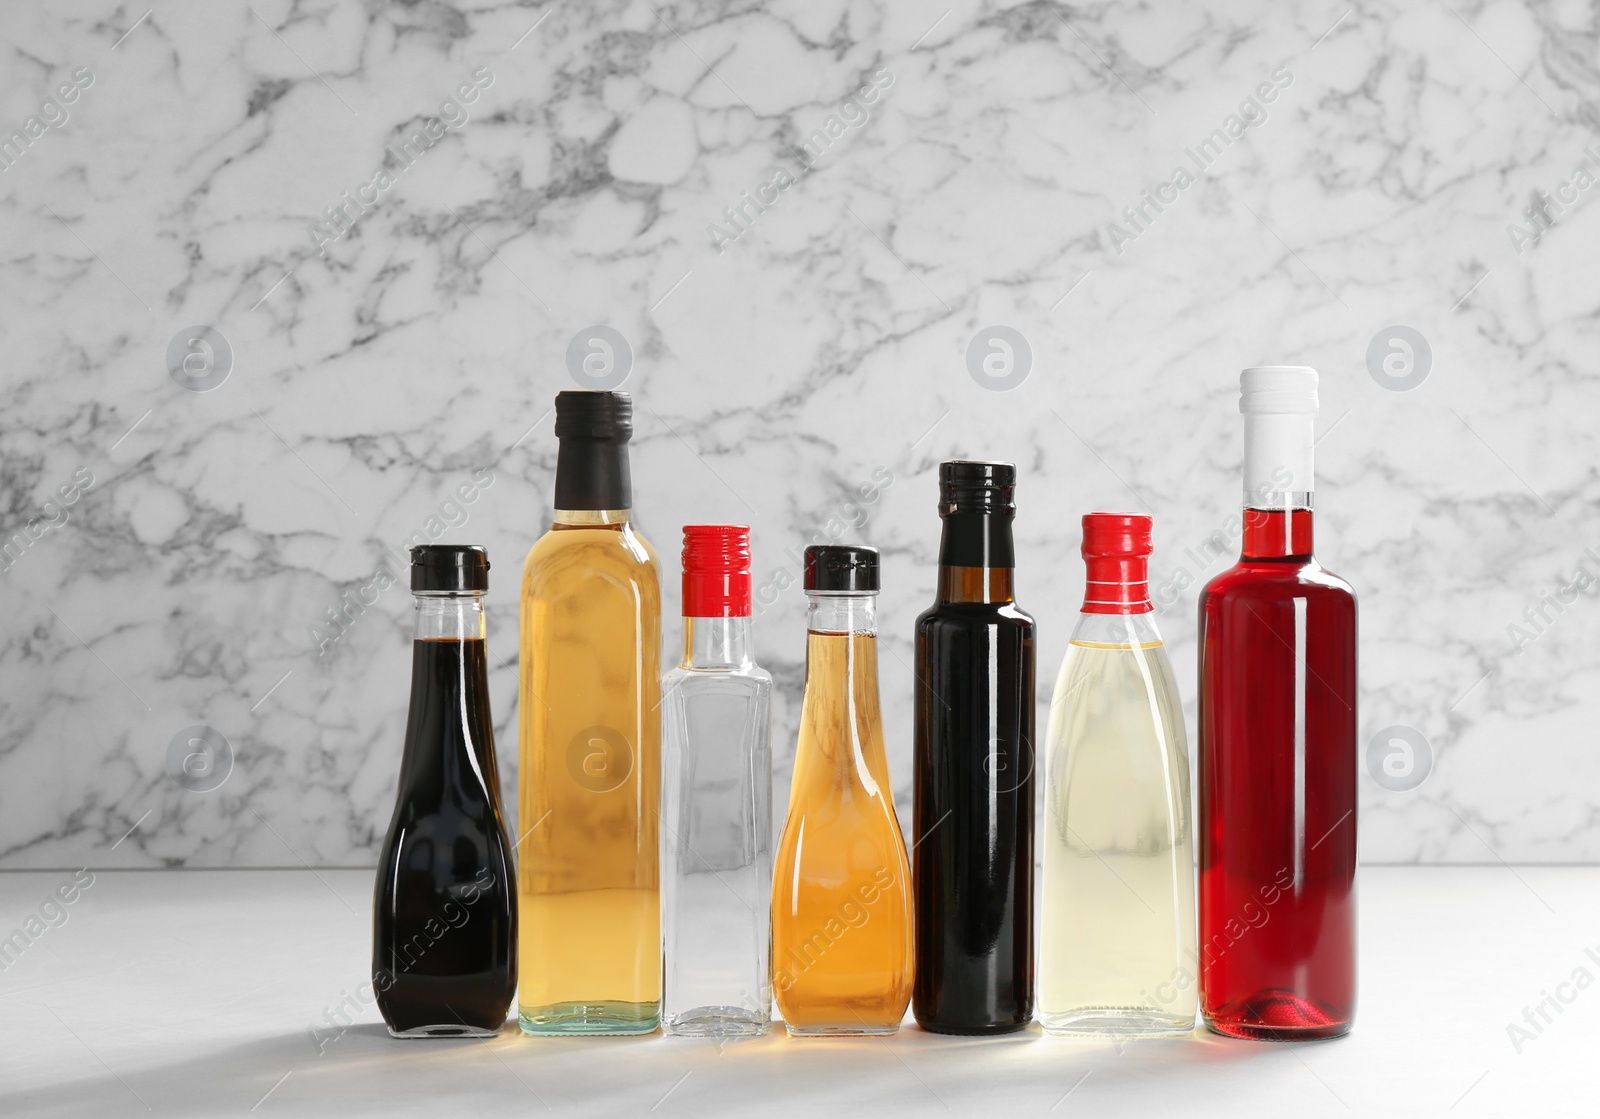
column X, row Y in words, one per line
column 1116, row 585
column 593, row 475
column 1278, row 485
column 717, row 643
column 450, row 616
column 1278, row 533
column 975, row 584
column 590, row 518
column 976, row 557
column 1278, row 458
column 828, row 612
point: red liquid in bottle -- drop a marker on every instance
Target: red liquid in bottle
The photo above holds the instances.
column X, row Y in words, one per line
column 1277, row 797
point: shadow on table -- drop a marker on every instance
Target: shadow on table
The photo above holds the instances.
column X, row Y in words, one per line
column 238, row 1078
column 364, row 1070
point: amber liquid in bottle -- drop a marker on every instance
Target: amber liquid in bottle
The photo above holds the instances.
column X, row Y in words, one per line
column 589, row 950
column 841, row 897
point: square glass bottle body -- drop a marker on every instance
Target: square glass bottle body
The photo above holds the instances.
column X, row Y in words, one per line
column 1117, row 941
column 717, row 835
column 589, row 857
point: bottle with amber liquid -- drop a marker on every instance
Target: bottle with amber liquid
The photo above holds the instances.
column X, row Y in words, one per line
column 973, row 817
column 841, row 890
column 589, row 954
column 444, row 912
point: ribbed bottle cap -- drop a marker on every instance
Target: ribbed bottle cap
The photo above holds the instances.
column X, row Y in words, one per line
column 1278, row 390
column 716, row 571
column 606, row 416
column 457, row 568
column 976, row 487
column 1116, row 535
column 842, row 568
column 1116, row 560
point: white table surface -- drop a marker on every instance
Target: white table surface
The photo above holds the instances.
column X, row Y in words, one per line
column 196, row 993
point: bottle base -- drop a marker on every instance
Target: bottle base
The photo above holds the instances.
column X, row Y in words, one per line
column 567, row 1019
column 852, row 1030
column 986, row 1029
column 446, row 1029
column 1253, row 1032
column 1115, row 1021
column 1277, row 1016
column 715, row 1021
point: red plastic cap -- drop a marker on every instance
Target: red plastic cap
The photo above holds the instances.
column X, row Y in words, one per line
column 716, row 571
column 1116, row 556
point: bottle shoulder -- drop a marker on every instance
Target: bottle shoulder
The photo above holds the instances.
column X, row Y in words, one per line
column 1277, row 579
column 751, row 678
column 615, row 552
column 953, row 616
column 641, row 545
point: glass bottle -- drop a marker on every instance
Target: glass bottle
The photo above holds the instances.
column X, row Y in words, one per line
column 973, row 816
column 1117, row 939
column 841, row 892
column 1278, row 758
column 444, row 913
column 717, row 802
column 589, row 786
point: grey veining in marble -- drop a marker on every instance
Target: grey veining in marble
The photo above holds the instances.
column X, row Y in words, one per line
column 387, row 224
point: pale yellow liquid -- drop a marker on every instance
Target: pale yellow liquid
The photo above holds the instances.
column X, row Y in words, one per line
column 588, row 885
column 1117, row 952
column 841, row 895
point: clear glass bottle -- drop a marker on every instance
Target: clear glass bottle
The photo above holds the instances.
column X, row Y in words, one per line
column 717, row 802
column 589, row 954
column 1279, row 755
column 444, row 912
column 1117, row 936
column 841, row 888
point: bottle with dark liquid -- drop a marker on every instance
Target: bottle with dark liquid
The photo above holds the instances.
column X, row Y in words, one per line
column 1278, row 753
column 444, row 928
column 973, row 831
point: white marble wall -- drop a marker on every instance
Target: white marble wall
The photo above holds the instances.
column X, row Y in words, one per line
column 977, row 163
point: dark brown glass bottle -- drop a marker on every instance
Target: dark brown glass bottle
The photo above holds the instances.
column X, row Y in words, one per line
column 444, row 926
column 972, row 863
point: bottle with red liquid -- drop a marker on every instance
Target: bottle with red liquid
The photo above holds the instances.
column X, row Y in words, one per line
column 1278, row 754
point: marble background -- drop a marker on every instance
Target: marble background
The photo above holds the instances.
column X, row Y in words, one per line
column 1415, row 168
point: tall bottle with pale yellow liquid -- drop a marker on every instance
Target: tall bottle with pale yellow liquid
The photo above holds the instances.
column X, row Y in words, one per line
column 588, row 864
column 1117, row 938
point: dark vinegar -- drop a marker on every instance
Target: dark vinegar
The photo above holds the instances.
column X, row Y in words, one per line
column 973, row 860
column 444, row 917
column 972, row 847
